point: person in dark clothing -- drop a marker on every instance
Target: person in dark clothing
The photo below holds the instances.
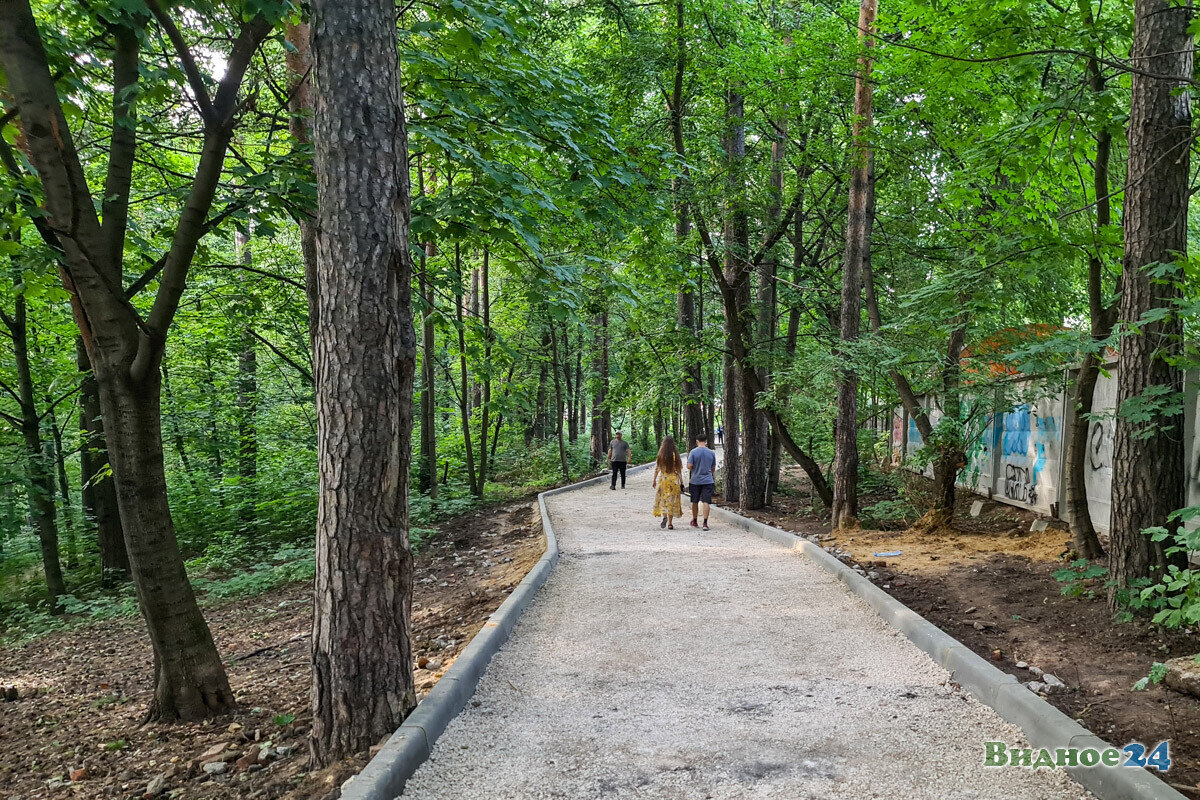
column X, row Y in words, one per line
column 618, row 458
column 720, row 434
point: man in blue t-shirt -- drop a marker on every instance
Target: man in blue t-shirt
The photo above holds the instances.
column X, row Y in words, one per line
column 701, row 462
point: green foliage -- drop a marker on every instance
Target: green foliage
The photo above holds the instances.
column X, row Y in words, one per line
column 1080, row 578
column 1158, row 671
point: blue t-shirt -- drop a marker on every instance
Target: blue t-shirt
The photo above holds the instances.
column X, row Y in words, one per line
column 702, row 462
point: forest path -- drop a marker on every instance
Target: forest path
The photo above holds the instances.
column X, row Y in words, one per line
column 683, row 664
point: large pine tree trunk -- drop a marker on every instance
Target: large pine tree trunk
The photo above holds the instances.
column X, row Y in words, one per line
column 99, row 490
column 365, row 359
column 1148, row 461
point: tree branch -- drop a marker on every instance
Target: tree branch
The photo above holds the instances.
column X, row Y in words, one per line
column 308, row 376
column 195, row 79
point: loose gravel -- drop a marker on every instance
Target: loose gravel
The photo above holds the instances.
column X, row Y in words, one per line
column 682, row 664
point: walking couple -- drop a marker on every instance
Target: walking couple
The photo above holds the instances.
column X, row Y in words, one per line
column 668, row 478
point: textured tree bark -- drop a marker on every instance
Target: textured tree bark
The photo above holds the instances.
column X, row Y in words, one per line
column 99, row 490
column 190, row 681
column 1148, row 460
column 362, row 684
column 858, row 243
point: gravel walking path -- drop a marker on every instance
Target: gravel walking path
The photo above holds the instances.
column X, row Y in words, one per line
column 681, row 664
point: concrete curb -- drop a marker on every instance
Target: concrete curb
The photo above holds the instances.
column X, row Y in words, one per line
column 1043, row 724
column 385, row 775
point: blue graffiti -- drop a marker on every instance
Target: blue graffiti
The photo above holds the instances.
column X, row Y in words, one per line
column 1016, row 431
column 914, row 435
column 1046, row 429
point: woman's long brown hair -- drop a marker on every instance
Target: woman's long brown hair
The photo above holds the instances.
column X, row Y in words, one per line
column 668, row 457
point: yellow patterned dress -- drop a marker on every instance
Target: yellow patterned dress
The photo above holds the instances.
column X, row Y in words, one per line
column 666, row 501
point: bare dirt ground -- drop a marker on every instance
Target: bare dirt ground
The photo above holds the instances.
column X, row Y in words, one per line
column 75, row 729
column 988, row 581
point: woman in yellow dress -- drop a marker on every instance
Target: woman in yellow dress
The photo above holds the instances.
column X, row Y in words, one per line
column 668, row 478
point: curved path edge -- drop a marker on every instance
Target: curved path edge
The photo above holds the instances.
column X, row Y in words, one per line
column 1044, row 725
column 385, row 775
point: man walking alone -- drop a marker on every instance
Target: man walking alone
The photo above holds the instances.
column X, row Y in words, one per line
column 618, row 458
column 700, row 463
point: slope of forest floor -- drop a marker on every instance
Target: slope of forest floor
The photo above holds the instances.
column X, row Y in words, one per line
column 989, row 582
column 75, row 729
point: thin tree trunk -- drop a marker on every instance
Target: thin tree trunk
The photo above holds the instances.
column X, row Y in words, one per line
column 486, row 396
column 558, row 399
column 600, row 413
column 464, row 399
column 362, row 682
column 64, row 488
column 299, row 63
column 858, row 243
column 1083, row 532
column 247, row 408
column 99, row 490
column 1148, row 457
column 37, row 461
column 176, row 434
column 732, row 478
column 427, row 482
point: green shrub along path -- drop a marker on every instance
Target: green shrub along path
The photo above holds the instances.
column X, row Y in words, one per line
column 684, row 664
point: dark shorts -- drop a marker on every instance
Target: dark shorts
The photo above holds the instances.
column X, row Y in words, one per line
column 701, row 493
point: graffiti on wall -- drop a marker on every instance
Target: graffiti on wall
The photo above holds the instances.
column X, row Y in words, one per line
column 1100, row 442
column 1029, row 443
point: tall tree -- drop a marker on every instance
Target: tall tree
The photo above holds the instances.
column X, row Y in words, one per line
column 365, row 359
column 247, row 400
column 125, row 348
column 1148, row 465
column 858, row 245
column 1100, row 319
column 39, row 464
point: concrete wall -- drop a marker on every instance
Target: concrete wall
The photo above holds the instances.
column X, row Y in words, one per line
column 1019, row 456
